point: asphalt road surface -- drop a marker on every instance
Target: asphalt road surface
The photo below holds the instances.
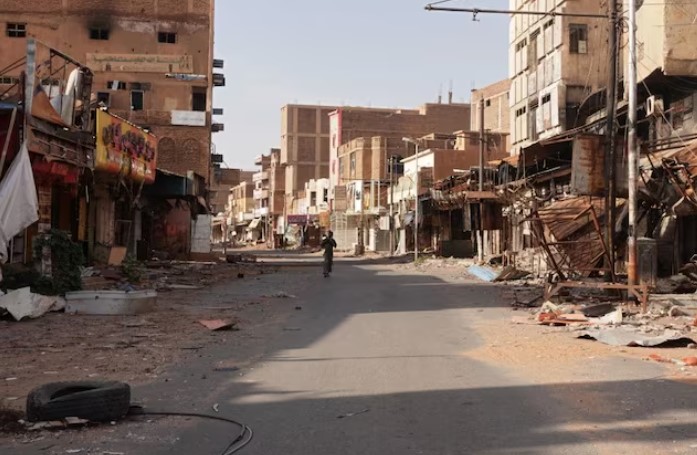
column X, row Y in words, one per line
column 377, row 363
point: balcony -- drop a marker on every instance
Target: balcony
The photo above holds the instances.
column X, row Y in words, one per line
column 261, row 194
column 258, row 213
column 260, row 177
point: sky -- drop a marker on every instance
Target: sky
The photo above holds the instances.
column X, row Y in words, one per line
column 379, row 53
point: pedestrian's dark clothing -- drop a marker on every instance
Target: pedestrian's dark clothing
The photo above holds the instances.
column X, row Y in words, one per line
column 328, row 245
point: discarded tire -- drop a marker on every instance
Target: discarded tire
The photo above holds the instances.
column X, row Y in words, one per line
column 89, row 400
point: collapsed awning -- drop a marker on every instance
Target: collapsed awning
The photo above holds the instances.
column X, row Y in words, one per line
column 254, row 224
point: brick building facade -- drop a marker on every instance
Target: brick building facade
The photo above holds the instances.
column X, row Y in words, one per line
column 152, row 62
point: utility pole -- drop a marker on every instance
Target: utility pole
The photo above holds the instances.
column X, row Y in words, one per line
column 632, row 161
column 391, row 164
column 416, row 208
column 610, row 156
column 482, row 147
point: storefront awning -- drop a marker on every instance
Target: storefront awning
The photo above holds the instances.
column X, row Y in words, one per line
column 254, row 224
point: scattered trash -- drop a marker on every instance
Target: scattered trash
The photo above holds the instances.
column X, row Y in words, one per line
column 352, row 414
column 23, row 303
column 110, row 303
column 217, row 324
column 292, row 329
column 632, row 336
column 690, row 361
column 483, row 273
column 598, row 310
column 183, row 287
column 216, row 407
column 227, row 369
column 282, row 295
column 510, row 273
column 298, row 308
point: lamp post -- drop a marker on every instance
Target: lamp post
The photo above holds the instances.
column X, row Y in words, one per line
column 409, row 140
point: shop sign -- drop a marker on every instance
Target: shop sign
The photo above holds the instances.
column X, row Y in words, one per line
column 123, row 148
column 188, row 118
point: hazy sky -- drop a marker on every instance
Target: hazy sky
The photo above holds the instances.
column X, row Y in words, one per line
column 387, row 53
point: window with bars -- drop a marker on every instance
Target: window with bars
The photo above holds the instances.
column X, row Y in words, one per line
column 99, row 34
column 167, row 37
column 16, row 30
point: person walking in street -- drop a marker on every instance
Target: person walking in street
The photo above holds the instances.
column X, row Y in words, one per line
column 328, row 245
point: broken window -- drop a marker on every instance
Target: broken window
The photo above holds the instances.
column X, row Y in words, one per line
column 100, row 34
column 15, row 30
column 104, row 97
column 578, row 38
column 116, row 85
column 137, row 100
column 167, row 37
column 199, row 99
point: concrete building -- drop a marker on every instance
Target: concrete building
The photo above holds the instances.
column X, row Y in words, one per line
column 497, row 118
column 382, row 131
column 555, row 63
column 277, row 189
column 152, row 63
column 240, row 211
column 304, row 150
column 222, row 181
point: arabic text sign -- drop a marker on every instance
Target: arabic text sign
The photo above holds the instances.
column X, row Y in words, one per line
column 125, row 149
column 141, row 63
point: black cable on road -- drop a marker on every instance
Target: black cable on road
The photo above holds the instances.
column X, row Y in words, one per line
column 240, row 442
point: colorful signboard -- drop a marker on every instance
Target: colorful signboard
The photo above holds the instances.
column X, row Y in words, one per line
column 125, row 149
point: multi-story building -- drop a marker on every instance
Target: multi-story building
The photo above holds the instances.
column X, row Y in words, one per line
column 277, row 189
column 555, row 63
column 222, row 181
column 240, row 210
column 304, row 146
column 152, row 63
column 497, row 118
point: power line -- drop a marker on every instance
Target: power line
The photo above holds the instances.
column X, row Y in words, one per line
column 476, row 11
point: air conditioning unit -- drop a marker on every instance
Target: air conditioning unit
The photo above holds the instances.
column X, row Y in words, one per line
column 654, row 106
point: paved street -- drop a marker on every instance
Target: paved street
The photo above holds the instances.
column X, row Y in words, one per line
column 397, row 346
column 379, row 362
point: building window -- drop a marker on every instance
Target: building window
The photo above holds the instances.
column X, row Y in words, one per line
column 488, row 103
column 313, row 198
column 547, row 98
column 578, row 38
column 101, row 34
column 325, row 196
column 199, row 99
column 116, row 85
column 533, row 54
column 167, row 38
column 15, row 30
column 104, row 97
column 137, row 100
column 9, row 80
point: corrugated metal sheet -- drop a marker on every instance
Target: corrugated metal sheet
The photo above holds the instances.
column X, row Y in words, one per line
column 588, row 166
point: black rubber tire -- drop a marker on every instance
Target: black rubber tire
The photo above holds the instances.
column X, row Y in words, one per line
column 90, row 400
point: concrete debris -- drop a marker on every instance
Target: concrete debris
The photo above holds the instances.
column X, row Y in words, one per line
column 23, row 303
column 510, row 273
column 217, row 324
column 352, row 414
column 282, row 295
column 111, row 303
column 634, row 336
column 598, row 310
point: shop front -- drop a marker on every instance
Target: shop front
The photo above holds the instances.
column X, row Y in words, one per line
column 124, row 163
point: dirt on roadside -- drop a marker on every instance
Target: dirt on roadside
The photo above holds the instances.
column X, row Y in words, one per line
column 138, row 349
